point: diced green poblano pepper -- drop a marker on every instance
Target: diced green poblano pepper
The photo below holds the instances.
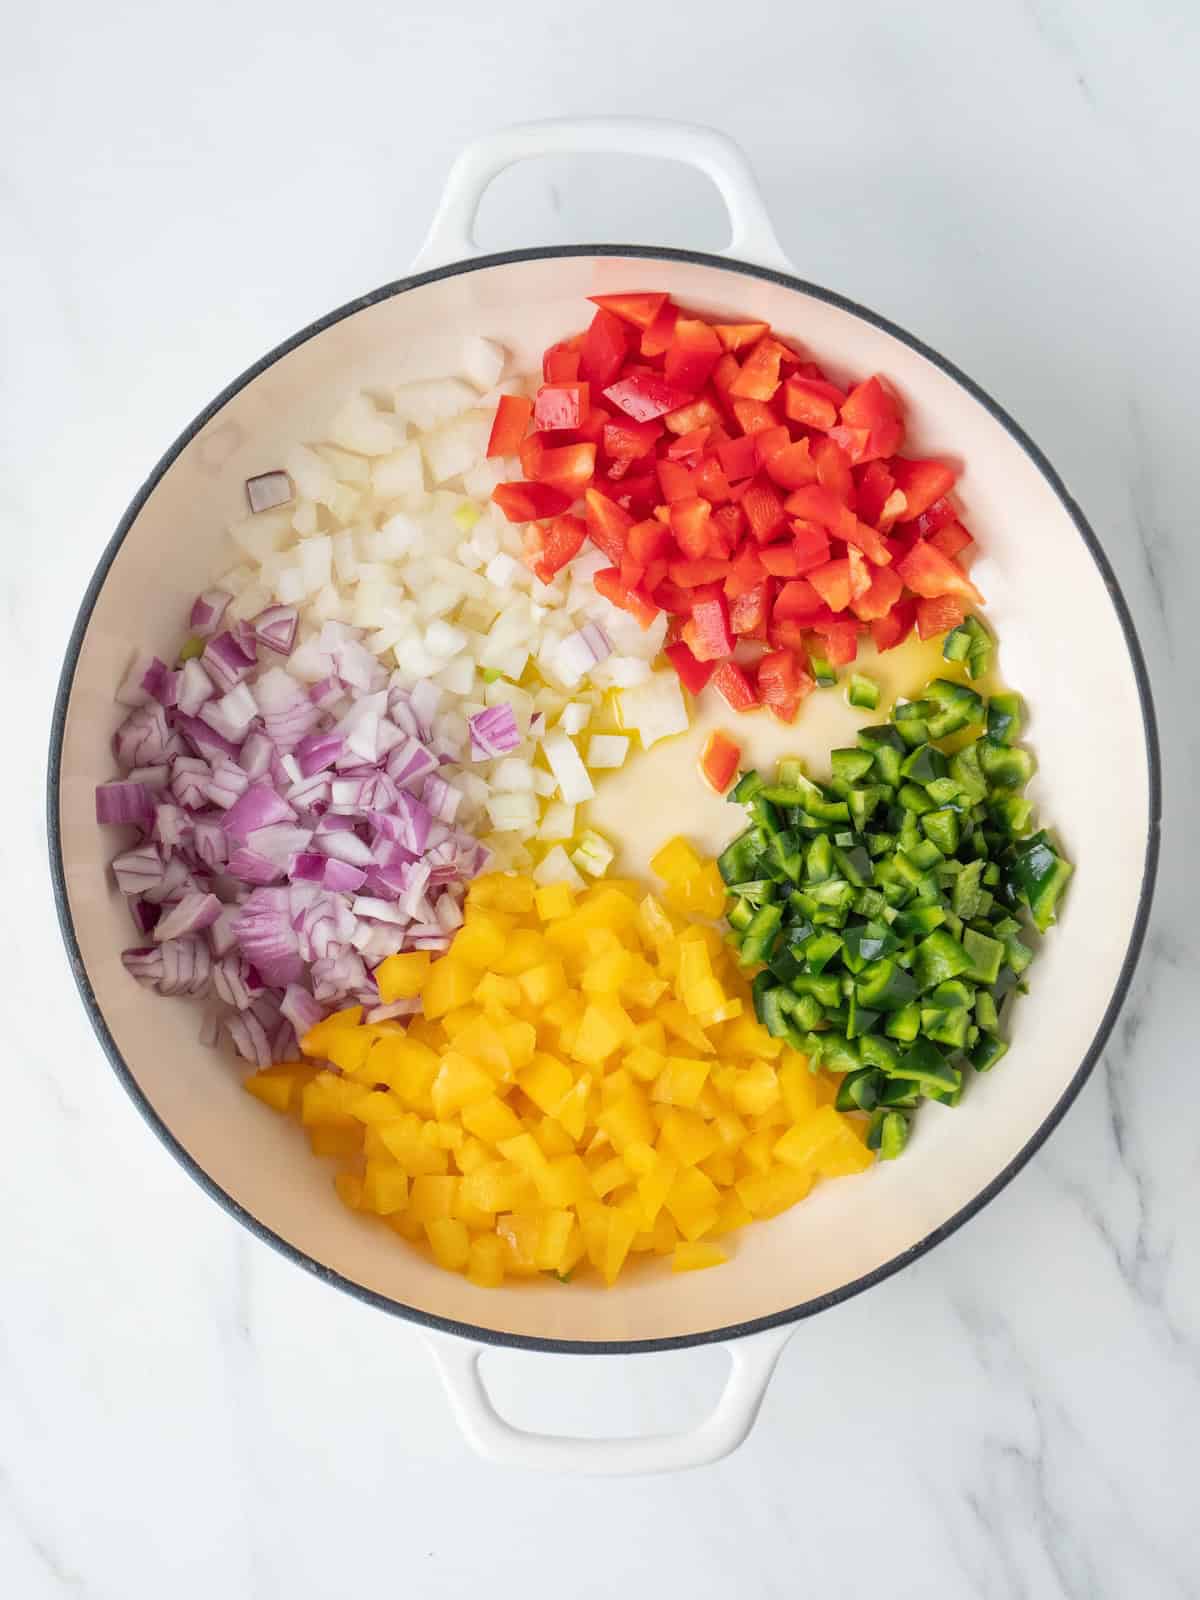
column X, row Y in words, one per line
column 987, row 1052
column 1005, row 766
column 822, row 670
column 862, row 691
column 747, row 786
column 971, row 644
column 1004, row 718
column 939, row 956
column 955, row 705
column 1041, row 874
column 893, row 1135
column 859, row 1091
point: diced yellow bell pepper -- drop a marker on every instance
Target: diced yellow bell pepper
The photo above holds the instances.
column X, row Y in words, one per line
column 401, row 977
column 274, row 1089
column 692, row 1201
column 679, row 1021
column 597, row 1037
column 609, row 1176
column 572, row 1109
column 748, row 1037
column 731, row 1213
column 554, row 900
column 450, row 983
column 449, row 1241
column 485, row 1261
column 546, row 1080
column 805, row 1143
column 543, row 983
column 766, row 1194
column 498, row 994
column 654, row 1186
column 675, row 862
column 756, row 1152
column 687, row 1137
column 385, row 1187
column 430, row 1198
column 491, row 1120
column 502, row 891
column 471, row 1154
column 459, row 1083
column 694, row 1256
column 350, row 1189
column 721, row 1167
column 756, row 1089
column 680, row 1081
column 628, row 1120
column 523, row 948
column 798, row 1086
column 315, row 1042
column 405, row 1143
column 520, row 1233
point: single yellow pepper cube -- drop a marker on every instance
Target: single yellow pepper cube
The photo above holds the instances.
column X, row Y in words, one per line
column 451, row 983
column 485, row 1261
column 348, row 1048
column 756, row 1152
column 845, row 1157
column 519, row 1040
column 654, row 1186
column 459, row 1083
column 696, row 1255
column 644, row 1064
column 686, row 1136
column 273, row 1089
column 611, row 1175
column 523, row 948
column 675, row 862
column 497, row 994
column 385, row 1187
column 316, row 1040
column 804, row 1144
column 747, row 1037
column 651, row 1035
column 628, row 1121
column 721, row 1167
column 644, row 988
column 406, row 1225
column 766, row 1194
column 598, row 1035
column 449, row 1241
column 694, row 964
column 553, row 1236
column 377, row 1105
column 402, row 976
column 566, row 1182
column 405, row 1142
column 503, row 891
column 756, row 1089
column 680, row 1081
column 623, row 1224
column 798, row 1086
column 542, row 983
column 683, row 1025
column 572, row 1110
column 725, row 1012
column 731, row 1213
column 430, row 1197
column 554, row 900
column 350, row 1190
column 692, row 1201
column 472, row 1154
column 520, row 1234
column 606, row 972
column 497, row 1187
column 573, row 1251
column 491, row 1120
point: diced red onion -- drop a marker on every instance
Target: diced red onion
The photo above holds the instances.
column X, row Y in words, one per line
column 249, row 1038
column 204, row 740
column 194, row 687
column 175, row 881
column 234, row 981
column 449, row 912
column 267, row 490
column 227, row 783
column 317, row 752
column 138, row 870
column 441, row 797
column 228, row 660
column 207, row 611
column 286, row 709
column 410, row 762
column 142, row 738
column 326, row 694
column 268, row 940
column 221, row 935
column 300, row 1009
column 344, row 846
column 172, row 825
column 156, row 777
column 210, row 843
column 357, row 667
column 256, row 755
column 493, row 732
column 249, row 867
column 425, row 698
column 160, row 683
column 132, row 690
column 279, row 842
column 309, row 793
column 232, row 714
column 259, row 807
column 190, row 915
column 276, row 628
column 145, row 915
column 123, row 803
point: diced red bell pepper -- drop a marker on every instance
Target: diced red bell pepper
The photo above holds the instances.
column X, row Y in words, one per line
column 922, row 483
column 780, row 560
column 560, row 405
column 753, row 415
column 872, row 544
column 688, row 444
column 739, row 335
column 729, row 527
column 764, row 511
column 630, row 441
column 719, row 761
column 748, row 613
column 638, row 493
column 841, row 639
column 860, row 573
column 608, row 583
column 560, row 364
column 759, row 377
column 724, row 376
column 646, row 395
column 875, row 602
column 833, row 470
column 699, row 413
column 656, row 340
column 569, row 466
column 951, row 540
column 690, row 521
column 530, row 502
column 639, row 310
column 798, row 601
column 648, row 541
column 793, row 466
column 871, row 409
column 810, row 542
column 812, row 402
column 607, row 524
column 513, row 412
column 670, row 597
column 711, row 482
column 676, row 481
column 785, row 634
column 938, row 615
column 768, row 440
column 693, row 353
column 890, row 630
column 746, row 572
column 856, row 442
column 939, row 515
column 708, row 633
column 783, row 684
column 734, row 687
column 875, row 483
column 693, row 674
column 547, row 549
column 605, row 346
column 930, row 574
column 739, row 458
column 832, row 583
column 697, row 572
column 815, row 502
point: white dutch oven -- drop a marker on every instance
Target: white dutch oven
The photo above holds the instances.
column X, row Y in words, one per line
column 1052, row 598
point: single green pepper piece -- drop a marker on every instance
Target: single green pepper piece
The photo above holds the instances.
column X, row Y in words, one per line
column 887, row 748
column 916, row 921
column 807, row 1011
column 941, row 828
column 776, row 1008
column 759, row 990
column 893, row 1135
column 946, row 1027
column 987, row 1052
column 1005, row 766
column 748, row 785
column 1012, row 814
column 884, row 986
column 899, row 1092
column 971, row 644
column 859, row 1091
column 838, row 1053
column 867, row 942
column 985, row 954
column 914, row 799
column 740, row 915
column 825, row 988
column 1041, row 875
column 822, row 670
column 904, row 1024
column 939, row 956
column 850, row 763
column 739, row 861
column 759, row 891
column 1004, row 718
column 863, row 803
column 876, row 1051
column 925, row 1064
column 912, row 721
column 924, row 763
column 987, row 1014
column 967, row 774
column 967, row 893
column 854, row 864
column 787, row 853
column 818, row 863
column 862, row 691
column 819, row 950
column 955, row 705
column 760, row 935
column 192, row 650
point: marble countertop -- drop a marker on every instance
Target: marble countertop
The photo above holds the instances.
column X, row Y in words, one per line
column 183, row 1412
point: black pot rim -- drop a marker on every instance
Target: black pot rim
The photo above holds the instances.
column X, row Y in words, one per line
column 791, row 1314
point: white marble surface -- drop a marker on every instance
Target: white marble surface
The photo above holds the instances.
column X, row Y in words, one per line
column 184, row 1413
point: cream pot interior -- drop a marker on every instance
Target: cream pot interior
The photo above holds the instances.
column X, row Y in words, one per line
column 1048, row 600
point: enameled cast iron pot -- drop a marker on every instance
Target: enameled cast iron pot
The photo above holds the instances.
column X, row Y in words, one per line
column 1052, row 599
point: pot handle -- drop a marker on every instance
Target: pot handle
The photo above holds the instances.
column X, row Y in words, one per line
column 753, row 238
column 752, row 1361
